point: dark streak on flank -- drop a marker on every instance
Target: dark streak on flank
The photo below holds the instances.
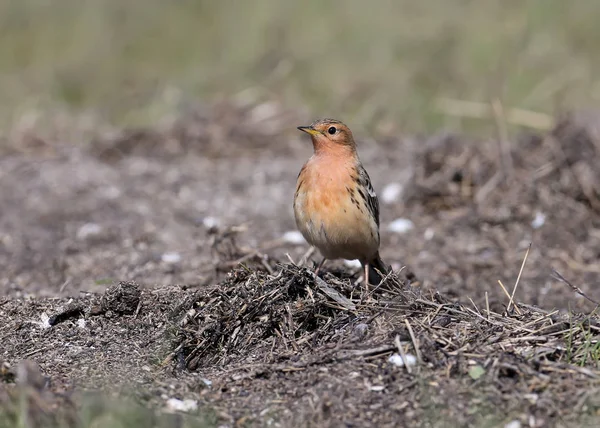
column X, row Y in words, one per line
column 364, row 182
column 362, row 194
column 300, row 183
column 301, row 170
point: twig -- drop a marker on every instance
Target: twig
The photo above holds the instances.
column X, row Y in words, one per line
column 575, row 288
column 347, row 353
column 37, row 351
column 402, row 353
column 475, row 306
column 414, row 340
column 333, row 294
column 508, row 295
column 137, row 309
column 306, row 256
column 518, row 279
column 481, row 317
column 263, row 261
column 490, row 185
column 487, row 305
column 535, row 321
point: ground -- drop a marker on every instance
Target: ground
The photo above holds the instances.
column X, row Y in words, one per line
column 153, row 264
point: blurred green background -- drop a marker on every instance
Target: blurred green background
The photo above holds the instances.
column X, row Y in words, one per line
column 381, row 64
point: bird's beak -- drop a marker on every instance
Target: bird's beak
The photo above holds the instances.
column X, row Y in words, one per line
column 309, row 130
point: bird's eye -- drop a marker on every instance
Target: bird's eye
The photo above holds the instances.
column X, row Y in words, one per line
column 332, row 130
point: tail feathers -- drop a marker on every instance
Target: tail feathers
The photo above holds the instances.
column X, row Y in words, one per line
column 377, row 269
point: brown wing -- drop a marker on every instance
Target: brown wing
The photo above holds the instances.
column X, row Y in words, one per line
column 370, row 197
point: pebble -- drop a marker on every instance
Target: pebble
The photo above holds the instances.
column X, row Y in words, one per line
column 355, row 264
column 293, row 237
column 401, row 225
column 177, row 405
column 89, row 230
column 391, row 193
column 171, row 258
column 397, row 360
column 538, row 220
column 211, row 222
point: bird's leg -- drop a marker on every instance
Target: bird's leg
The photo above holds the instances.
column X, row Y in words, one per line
column 366, row 266
column 306, row 256
column 320, row 266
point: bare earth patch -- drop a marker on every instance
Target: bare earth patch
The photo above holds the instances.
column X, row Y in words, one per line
column 249, row 337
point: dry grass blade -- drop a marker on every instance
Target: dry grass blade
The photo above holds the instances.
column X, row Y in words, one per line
column 518, row 279
column 402, row 353
column 508, row 296
column 414, row 340
column 556, row 275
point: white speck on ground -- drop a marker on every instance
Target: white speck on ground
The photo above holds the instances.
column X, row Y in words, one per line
column 177, row 405
column 429, row 234
column 44, row 320
column 211, row 222
column 377, row 388
column 400, row 225
column 391, row 193
column 397, row 360
column 513, row 424
column 352, row 263
column 293, row 237
column 538, row 220
column 89, row 230
column 171, row 258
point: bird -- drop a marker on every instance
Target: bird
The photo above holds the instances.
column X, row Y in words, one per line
column 335, row 207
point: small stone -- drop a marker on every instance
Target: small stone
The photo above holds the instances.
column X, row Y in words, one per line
column 538, row 220
column 401, row 225
column 171, row 258
column 211, row 222
column 89, row 230
column 397, row 360
column 429, row 234
column 354, row 264
column 391, row 193
column 177, row 405
column 293, row 237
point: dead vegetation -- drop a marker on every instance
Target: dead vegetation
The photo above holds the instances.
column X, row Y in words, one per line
column 257, row 326
column 274, row 343
column 502, row 235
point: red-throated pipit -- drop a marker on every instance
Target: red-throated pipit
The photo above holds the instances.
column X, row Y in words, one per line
column 335, row 206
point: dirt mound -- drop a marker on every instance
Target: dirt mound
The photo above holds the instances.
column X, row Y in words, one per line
column 257, row 318
column 266, row 335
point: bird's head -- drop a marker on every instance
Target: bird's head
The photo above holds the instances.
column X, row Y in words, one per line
column 329, row 134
